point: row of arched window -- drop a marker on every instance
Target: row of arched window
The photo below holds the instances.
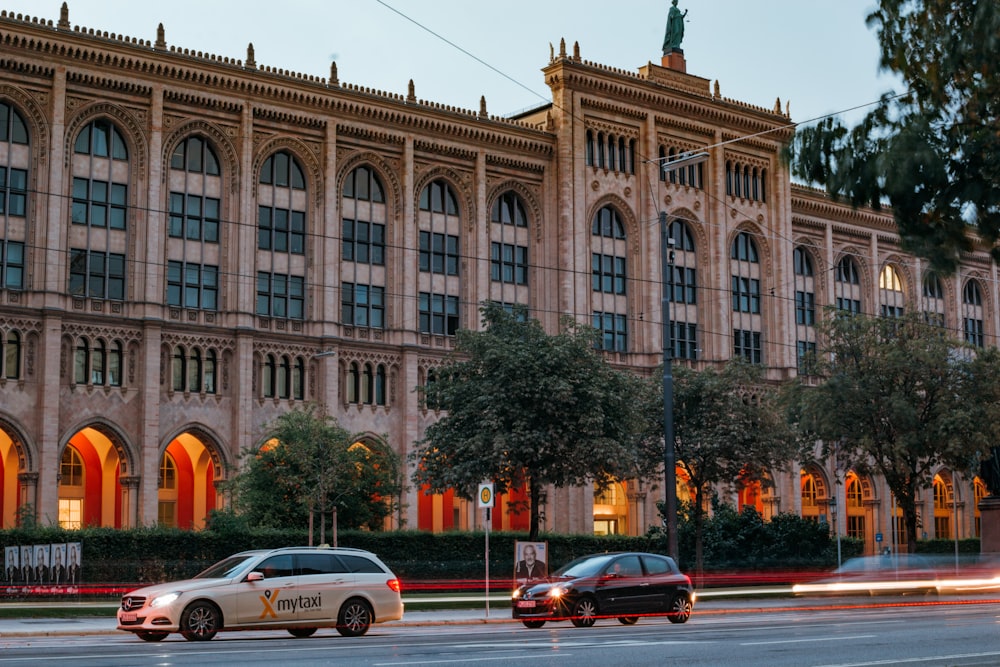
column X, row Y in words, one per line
column 692, row 175
column 97, row 362
column 605, row 150
column 746, row 181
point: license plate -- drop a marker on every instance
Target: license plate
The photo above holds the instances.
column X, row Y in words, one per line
column 525, row 604
column 129, row 617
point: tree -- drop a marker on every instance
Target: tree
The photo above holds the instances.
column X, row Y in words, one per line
column 900, row 398
column 525, row 408
column 728, row 429
column 933, row 152
column 310, row 466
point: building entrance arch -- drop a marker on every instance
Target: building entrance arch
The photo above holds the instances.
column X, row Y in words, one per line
column 189, row 469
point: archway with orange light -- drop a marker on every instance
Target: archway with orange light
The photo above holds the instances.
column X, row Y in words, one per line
column 91, row 469
column 15, row 460
column 189, row 469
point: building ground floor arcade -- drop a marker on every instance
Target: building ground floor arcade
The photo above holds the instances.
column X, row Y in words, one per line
column 92, row 481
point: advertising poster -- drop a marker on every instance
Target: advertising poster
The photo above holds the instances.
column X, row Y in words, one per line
column 11, row 564
column 531, row 560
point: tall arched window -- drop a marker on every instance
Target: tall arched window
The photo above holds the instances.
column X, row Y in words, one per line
column 609, row 279
column 891, row 292
column 281, row 237
column 363, row 248
column 746, row 298
column 15, row 161
column 81, row 361
column 848, row 286
column 10, row 360
column 269, row 377
column 855, row 508
column 973, row 314
column 100, row 186
column 942, row 510
column 682, row 291
column 805, row 310
column 932, row 300
column 509, row 240
column 439, row 225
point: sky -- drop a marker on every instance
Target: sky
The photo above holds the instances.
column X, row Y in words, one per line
column 819, row 55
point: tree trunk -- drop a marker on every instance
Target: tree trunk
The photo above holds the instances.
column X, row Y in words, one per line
column 534, row 492
column 322, row 527
column 310, row 526
column 333, row 529
column 699, row 560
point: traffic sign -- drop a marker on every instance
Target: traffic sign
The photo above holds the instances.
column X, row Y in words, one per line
column 486, row 495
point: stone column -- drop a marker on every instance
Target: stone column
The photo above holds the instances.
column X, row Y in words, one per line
column 989, row 525
column 130, row 500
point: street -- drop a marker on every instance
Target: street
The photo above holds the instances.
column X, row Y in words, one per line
column 856, row 633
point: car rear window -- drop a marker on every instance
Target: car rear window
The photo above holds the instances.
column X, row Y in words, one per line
column 360, row 564
column 656, row 565
column 321, row 564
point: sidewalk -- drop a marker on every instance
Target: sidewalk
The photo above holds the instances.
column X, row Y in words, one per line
column 476, row 612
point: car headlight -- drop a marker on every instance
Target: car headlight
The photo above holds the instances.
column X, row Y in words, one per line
column 163, row 600
column 557, row 592
column 516, row 594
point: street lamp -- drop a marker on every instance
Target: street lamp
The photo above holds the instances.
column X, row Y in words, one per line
column 667, row 268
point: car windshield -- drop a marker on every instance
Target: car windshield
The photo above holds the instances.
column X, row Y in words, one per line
column 228, row 568
column 584, row 567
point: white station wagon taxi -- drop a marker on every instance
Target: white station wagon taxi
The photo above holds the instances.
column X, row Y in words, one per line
column 299, row 589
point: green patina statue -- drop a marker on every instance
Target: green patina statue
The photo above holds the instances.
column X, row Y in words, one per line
column 675, row 29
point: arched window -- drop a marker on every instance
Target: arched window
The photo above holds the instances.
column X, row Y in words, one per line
column 299, row 379
column 380, row 385
column 209, row 373
column 364, row 184
column 269, row 379
column 285, row 378
column 745, row 293
column 100, row 197
column 178, row 368
column 609, row 279
column 281, row 237
column 10, row 360
column 682, row 291
column 195, row 201
column 194, row 371
column 848, row 286
column 438, row 259
column 942, row 509
column 353, row 383
column 15, row 161
column 855, row 508
column 168, row 473
column 891, row 292
column 973, row 314
column 71, row 468
column 805, row 310
column 81, row 361
column 367, row 385
column 590, row 148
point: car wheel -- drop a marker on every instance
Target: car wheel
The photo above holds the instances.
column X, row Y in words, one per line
column 355, row 618
column 533, row 624
column 680, row 608
column 200, row 621
column 628, row 620
column 152, row 636
column 302, row 632
column 584, row 612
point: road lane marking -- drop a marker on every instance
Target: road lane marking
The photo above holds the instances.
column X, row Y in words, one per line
column 810, row 639
column 439, row 661
column 913, row 661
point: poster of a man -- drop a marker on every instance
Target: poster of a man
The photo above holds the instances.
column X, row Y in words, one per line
column 11, row 564
column 73, row 563
column 26, row 565
column 41, row 563
column 57, row 571
column 530, row 559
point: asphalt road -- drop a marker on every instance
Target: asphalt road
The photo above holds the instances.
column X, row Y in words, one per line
column 957, row 632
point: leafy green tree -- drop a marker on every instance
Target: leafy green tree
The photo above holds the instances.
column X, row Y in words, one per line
column 522, row 407
column 728, row 429
column 311, row 466
column 932, row 152
column 899, row 398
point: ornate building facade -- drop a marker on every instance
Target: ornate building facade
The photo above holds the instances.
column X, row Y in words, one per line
column 191, row 245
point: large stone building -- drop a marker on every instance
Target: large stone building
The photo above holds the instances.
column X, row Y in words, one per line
column 191, row 245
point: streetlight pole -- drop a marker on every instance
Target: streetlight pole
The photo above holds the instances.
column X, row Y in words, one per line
column 667, row 269
column 669, row 457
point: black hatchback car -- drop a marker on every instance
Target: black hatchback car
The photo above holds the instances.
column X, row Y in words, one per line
column 625, row 586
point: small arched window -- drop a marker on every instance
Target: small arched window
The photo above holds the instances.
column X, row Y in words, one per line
column 744, row 249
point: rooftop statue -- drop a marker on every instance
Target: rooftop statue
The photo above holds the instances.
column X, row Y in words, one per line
column 675, row 29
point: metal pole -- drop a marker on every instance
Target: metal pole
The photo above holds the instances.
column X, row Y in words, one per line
column 669, row 458
column 487, row 526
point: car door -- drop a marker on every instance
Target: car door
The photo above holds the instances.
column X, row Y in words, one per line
column 273, row 599
column 619, row 590
column 324, row 583
column 662, row 583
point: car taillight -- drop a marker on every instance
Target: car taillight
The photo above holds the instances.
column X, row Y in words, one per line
column 393, row 584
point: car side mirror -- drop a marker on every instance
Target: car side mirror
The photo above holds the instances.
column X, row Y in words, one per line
column 255, row 576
